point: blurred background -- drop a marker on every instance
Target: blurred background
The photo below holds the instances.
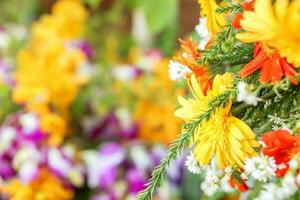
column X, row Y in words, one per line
column 86, row 100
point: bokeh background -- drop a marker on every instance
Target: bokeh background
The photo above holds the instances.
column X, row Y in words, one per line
column 86, row 100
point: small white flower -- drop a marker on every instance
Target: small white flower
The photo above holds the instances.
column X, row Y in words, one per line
column 288, row 185
column 140, row 157
column 5, row 40
column 209, row 188
column 281, row 191
column 225, row 186
column 268, row 192
column 177, row 71
column 192, row 164
column 202, row 31
column 124, row 73
column 7, row 135
column 29, row 122
column 261, row 167
column 228, row 170
column 244, row 176
column 245, row 94
column 26, row 162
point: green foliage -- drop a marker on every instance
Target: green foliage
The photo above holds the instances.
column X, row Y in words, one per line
column 94, row 4
column 226, row 52
column 7, row 106
column 233, row 7
column 11, row 12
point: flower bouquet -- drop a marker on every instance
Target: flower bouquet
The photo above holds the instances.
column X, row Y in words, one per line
column 241, row 119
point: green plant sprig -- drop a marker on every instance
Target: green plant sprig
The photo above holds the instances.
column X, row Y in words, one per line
column 184, row 139
column 234, row 7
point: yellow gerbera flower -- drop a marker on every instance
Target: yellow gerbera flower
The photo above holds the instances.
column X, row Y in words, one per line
column 276, row 25
column 227, row 138
column 214, row 21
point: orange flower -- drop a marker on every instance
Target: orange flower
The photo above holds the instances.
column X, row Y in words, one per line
column 238, row 184
column 282, row 146
column 247, row 6
column 236, row 21
column 279, row 145
column 273, row 67
column 190, row 57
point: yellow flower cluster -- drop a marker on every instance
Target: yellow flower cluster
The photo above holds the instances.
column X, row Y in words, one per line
column 47, row 76
column 155, row 115
column 277, row 25
column 227, row 138
column 44, row 187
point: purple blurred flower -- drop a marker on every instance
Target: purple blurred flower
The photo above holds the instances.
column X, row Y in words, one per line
column 6, row 75
column 135, row 180
column 87, row 49
column 102, row 166
column 83, row 45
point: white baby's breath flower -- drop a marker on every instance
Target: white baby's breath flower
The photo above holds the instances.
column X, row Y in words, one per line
column 177, row 71
column 225, row 186
column 288, row 186
column 202, row 31
column 268, row 192
column 261, row 167
column 211, row 186
column 280, row 191
column 192, row 164
column 245, row 94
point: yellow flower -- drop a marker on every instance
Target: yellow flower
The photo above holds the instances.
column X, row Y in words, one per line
column 214, row 21
column 45, row 187
column 66, row 20
column 227, row 138
column 55, row 126
column 154, row 114
column 276, row 25
column 50, row 78
column 48, row 75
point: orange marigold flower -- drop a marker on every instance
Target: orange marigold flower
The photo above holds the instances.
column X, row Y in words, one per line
column 273, row 66
column 190, row 57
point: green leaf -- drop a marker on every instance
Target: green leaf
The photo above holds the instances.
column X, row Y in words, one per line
column 160, row 15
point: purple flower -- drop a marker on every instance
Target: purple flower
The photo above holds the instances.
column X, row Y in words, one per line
column 135, row 181
column 6, row 170
column 107, row 196
column 87, row 49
